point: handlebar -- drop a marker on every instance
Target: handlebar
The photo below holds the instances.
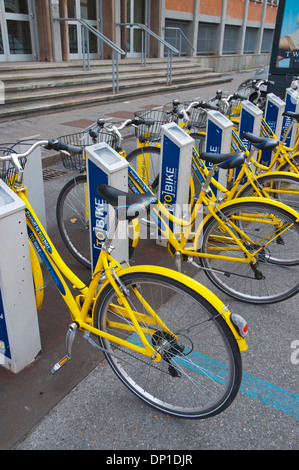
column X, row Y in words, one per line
column 183, row 113
column 47, row 144
column 258, row 83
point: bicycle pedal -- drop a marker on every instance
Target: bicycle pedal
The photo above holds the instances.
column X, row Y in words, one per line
column 60, row 363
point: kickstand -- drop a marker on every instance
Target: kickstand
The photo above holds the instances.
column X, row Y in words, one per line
column 70, row 336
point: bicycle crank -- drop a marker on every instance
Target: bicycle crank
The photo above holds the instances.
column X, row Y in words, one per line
column 70, row 336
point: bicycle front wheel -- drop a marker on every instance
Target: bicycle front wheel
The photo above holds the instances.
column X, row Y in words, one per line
column 280, row 187
column 269, row 232
column 200, row 371
column 73, row 220
column 146, row 162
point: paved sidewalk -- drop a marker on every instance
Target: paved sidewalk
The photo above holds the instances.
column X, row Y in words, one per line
column 84, row 406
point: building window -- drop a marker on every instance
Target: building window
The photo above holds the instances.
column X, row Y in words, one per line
column 206, row 38
column 230, row 40
column 267, row 40
column 250, row 38
column 173, row 35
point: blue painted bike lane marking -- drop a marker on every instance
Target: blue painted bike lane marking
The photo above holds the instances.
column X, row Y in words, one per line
column 270, row 395
column 251, row 386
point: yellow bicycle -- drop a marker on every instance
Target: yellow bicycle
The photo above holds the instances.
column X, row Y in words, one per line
column 168, row 338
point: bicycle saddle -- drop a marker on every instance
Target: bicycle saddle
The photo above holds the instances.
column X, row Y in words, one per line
column 225, row 160
column 291, row 114
column 132, row 203
column 263, row 143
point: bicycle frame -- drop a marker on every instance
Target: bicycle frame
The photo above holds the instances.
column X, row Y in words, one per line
column 107, row 271
column 161, row 217
column 282, row 154
column 58, row 270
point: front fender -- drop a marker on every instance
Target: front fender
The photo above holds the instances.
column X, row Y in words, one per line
column 190, row 283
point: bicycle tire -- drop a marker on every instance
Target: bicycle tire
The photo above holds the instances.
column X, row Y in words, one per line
column 277, row 275
column 73, row 222
column 272, row 184
column 198, row 376
column 287, row 167
column 72, row 219
column 146, row 162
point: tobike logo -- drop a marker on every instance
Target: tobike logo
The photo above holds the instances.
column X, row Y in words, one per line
column 2, row 92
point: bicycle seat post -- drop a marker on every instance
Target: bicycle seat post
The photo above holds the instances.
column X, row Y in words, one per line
column 289, row 130
column 205, row 186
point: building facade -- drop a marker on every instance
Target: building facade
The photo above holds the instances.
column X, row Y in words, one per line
column 224, row 33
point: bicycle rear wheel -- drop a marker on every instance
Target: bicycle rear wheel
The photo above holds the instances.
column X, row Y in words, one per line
column 200, row 371
column 274, row 237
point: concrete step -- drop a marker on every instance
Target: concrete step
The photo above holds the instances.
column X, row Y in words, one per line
column 34, row 108
column 68, row 86
column 45, row 88
column 70, row 79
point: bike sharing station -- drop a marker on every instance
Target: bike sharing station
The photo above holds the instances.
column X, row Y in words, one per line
column 19, row 330
column 105, row 166
column 175, row 169
column 274, row 109
column 218, row 140
column 291, row 104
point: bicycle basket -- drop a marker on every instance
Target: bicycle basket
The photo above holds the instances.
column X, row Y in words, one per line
column 234, row 108
column 198, row 118
column 151, row 133
column 8, row 172
column 76, row 161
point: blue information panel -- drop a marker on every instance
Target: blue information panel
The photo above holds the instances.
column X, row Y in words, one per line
column 4, row 343
column 290, row 106
column 98, row 211
column 169, row 175
column 271, row 119
column 213, row 145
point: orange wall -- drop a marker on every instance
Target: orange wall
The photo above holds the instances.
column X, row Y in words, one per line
column 210, row 7
column 271, row 14
column 179, row 5
column 235, row 9
column 255, row 11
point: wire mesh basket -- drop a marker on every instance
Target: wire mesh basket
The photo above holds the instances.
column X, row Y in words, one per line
column 76, row 161
column 151, row 133
column 198, row 118
column 234, row 108
column 8, row 172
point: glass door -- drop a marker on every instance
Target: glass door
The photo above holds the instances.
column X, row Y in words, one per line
column 17, row 38
column 136, row 13
column 86, row 10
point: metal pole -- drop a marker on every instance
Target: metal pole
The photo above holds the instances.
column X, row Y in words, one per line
column 88, row 54
column 117, row 83
column 82, row 42
column 142, row 48
column 113, row 78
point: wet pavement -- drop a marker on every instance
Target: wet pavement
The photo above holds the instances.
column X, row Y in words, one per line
column 84, row 406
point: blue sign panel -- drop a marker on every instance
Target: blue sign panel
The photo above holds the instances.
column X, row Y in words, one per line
column 271, row 119
column 290, row 106
column 98, row 210
column 213, row 145
column 169, row 174
column 4, row 343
